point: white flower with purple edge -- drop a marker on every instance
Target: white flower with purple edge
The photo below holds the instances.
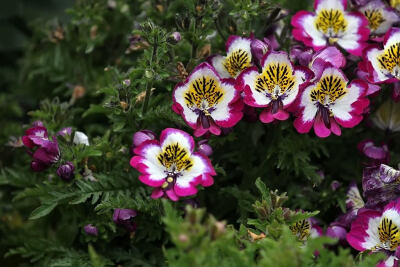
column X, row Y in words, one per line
column 206, row 102
column 171, row 166
column 276, row 88
column 380, row 17
column 331, row 24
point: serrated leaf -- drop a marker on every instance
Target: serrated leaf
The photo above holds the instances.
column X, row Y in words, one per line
column 43, row 210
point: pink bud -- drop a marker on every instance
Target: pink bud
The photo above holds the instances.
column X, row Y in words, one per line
column 142, row 136
column 205, row 148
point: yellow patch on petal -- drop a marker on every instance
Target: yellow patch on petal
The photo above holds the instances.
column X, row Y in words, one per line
column 236, row 61
column 389, row 234
column 395, row 3
column 390, row 60
column 375, row 18
column 175, row 158
column 204, row 93
column 328, row 89
column 302, row 229
column 331, row 21
column 276, row 79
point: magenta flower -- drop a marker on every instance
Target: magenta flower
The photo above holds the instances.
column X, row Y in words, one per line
column 238, row 57
column 377, row 230
column 124, row 218
column 330, row 102
column 276, row 88
column 44, row 151
column 380, row 17
column 377, row 154
column 91, row 230
column 171, row 166
column 383, row 65
column 331, row 24
column 67, row 131
column 206, row 102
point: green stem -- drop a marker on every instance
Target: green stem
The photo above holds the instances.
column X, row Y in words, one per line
column 149, row 85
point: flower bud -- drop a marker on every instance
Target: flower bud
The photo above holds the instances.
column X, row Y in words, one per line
column 66, row 171
column 65, row 131
column 258, row 49
column 124, row 217
column 91, row 230
column 81, row 138
column 37, row 124
column 204, row 147
column 126, row 82
column 335, row 185
column 142, row 136
column 337, row 231
column 174, row 38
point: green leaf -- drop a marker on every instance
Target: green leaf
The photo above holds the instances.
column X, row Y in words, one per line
column 43, row 210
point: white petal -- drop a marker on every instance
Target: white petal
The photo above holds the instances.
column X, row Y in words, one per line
column 218, row 64
column 81, row 138
column 154, row 167
column 188, row 176
column 310, row 109
column 372, row 239
column 259, row 97
column 318, row 38
column 222, row 109
column 372, row 56
column 342, row 106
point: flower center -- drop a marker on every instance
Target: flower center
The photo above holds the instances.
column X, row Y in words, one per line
column 204, row 94
column 331, row 22
column 237, row 61
column 276, row 79
column 301, row 229
column 328, row 90
column 375, row 18
column 389, row 234
column 175, row 159
column 390, row 60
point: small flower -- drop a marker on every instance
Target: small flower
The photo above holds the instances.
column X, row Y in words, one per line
column 81, row 138
column 65, row 131
column 380, row 17
column 206, row 102
column 37, row 124
column 126, row 82
column 66, row 171
column 331, row 101
column 377, row 230
column 204, row 147
column 380, row 185
column 124, row 218
column 331, row 24
column 44, row 151
column 335, row 185
column 383, row 65
column 378, row 155
column 171, row 166
column 142, row 136
column 238, row 57
column 91, row 230
column 174, row 38
column 276, row 88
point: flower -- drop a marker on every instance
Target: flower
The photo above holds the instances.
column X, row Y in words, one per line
column 81, row 138
column 275, row 89
column 124, row 218
column 142, row 136
column 307, row 228
column 238, row 57
column 383, row 65
column 380, row 185
column 204, row 148
column 174, row 38
column 331, row 24
column 330, row 102
column 380, row 17
column 171, row 166
column 65, row 131
column 377, row 230
column 66, row 171
column 206, row 102
column 91, row 230
column 335, row 185
column 377, row 154
column 44, row 151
